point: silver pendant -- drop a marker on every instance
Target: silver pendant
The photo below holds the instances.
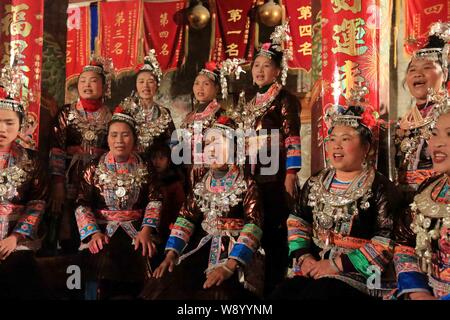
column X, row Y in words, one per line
column 121, row 192
column 89, row 135
column 3, row 190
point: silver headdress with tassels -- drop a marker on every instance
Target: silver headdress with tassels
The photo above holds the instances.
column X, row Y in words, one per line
column 12, row 82
column 230, row 67
column 441, row 102
column 279, row 37
column 441, row 30
column 335, row 116
column 151, row 64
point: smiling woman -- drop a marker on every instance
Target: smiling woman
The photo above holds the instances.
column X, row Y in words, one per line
column 342, row 228
column 428, row 69
column 422, row 235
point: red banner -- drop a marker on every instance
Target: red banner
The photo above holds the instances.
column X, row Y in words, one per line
column 164, row 31
column 419, row 15
column 78, row 40
column 232, row 30
column 21, row 36
column 300, row 23
column 119, row 33
column 350, row 48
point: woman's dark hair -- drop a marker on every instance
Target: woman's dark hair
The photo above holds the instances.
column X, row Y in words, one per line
column 161, row 149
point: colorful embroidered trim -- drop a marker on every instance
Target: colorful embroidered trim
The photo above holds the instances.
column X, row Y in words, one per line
column 299, row 233
column 247, row 243
column 180, row 235
column 57, row 162
column 29, row 222
column 294, row 155
column 152, row 214
column 87, row 224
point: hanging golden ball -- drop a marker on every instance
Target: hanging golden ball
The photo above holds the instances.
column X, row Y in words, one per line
column 198, row 16
column 270, row 13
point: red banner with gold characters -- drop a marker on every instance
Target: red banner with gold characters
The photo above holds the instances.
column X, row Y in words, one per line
column 300, row 23
column 21, row 36
column 233, row 34
column 78, row 40
column 419, row 15
column 350, row 49
column 164, row 31
column 119, row 33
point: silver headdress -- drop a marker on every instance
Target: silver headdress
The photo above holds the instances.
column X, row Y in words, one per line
column 230, row 67
column 440, row 54
column 441, row 101
column 279, row 38
column 151, row 64
column 119, row 116
column 11, row 85
column 103, row 66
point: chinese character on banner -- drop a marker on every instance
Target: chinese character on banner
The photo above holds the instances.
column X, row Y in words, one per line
column 233, row 30
column 350, row 48
column 78, row 41
column 21, row 38
column 164, row 31
column 300, row 24
column 419, row 16
column 119, row 33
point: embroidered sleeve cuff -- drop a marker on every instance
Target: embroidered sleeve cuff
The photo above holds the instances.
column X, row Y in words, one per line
column 293, row 156
column 87, row 224
column 29, row 222
column 299, row 234
column 152, row 213
column 180, row 235
column 412, row 282
column 57, row 162
column 247, row 243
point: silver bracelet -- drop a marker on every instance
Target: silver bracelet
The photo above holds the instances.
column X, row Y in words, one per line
column 227, row 269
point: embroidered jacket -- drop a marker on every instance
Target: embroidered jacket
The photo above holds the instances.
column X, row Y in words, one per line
column 22, row 207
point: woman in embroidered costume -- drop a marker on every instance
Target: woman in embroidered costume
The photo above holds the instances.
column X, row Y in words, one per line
column 273, row 107
column 428, row 69
column 154, row 122
column 422, row 253
column 114, row 216
column 79, row 135
column 215, row 239
column 340, row 233
column 205, row 111
column 23, row 187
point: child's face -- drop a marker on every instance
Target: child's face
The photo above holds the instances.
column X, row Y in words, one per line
column 160, row 162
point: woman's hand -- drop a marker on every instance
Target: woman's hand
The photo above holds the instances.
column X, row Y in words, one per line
column 322, row 268
column 144, row 238
column 307, row 265
column 289, row 183
column 167, row 264
column 220, row 274
column 58, row 195
column 8, row 245
column 97, row 242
